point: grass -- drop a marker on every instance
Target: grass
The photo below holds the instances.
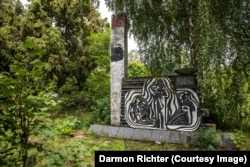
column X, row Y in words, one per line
column 130, row 145
column 94, row 143
column 105, row 143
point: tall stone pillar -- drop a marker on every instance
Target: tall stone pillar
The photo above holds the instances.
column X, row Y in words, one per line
column 118, row 67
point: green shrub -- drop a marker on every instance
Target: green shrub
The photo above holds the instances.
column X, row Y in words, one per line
column 71, row 98
column 67, row 153
column 67, row 126
column 228, row 99
column 26, row 104
column 207, row 139
column 97, row 96
column 101, row 112
column 137, row 69
column 239, row 140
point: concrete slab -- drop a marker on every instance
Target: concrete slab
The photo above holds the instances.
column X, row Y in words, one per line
column 96, row 129
column 142, row 134
column 126, row 133
column 185, row 137
column 160, row 135
column 110, row 131
column 176, row 137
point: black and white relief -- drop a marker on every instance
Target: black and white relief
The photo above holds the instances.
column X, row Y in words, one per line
column 158, row 106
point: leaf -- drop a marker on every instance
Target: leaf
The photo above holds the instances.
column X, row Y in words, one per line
column 17, row 69
column 37, row 63
column 63, row 152
column 38, row 51
column 44, row 109
column 29, row 44
column 36, row 73
column 19, row 57
column 82, row 147
column 106, row 144
column 7, row 81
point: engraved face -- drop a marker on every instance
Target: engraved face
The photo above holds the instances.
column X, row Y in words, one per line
column 117, row 52
column 159, row 89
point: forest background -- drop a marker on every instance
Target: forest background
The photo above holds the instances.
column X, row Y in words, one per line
column 55, row 66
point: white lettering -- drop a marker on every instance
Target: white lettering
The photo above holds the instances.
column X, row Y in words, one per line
column 139, row 158
column 178, row 158
column 152, row 158
column 102, row 158
column 234, row 160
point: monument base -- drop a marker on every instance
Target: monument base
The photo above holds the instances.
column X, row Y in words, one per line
column 174, row 137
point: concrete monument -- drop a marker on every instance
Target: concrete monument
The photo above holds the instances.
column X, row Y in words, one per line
column 118, row 66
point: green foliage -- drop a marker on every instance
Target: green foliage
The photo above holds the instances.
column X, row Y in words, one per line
column 239, row 140
column 205, row 34
column 72, row 98
column 101, row 112
column 137, row 69
column 186, row 146
column 118, row 145
column 228, row 101
column 25, row 106
column 96, row 95
column 11, row 14
column 245, row 123
column 207, row 139
column 60, row 28
column 69, row 153
column 67, row 126
column 98, row 85
column 166, row 145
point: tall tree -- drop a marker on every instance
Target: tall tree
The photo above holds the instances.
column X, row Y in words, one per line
column 58, row 27
column 174, row 28
column 63, row 26
column 167, row 31
column 11, row 13
column 212, row 34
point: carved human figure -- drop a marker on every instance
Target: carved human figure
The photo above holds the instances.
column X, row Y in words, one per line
column 158, row 106
column 165, row 102
column 140, row 110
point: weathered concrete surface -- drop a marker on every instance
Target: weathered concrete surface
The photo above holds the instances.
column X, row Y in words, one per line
column 175, row 137
column 118, row 66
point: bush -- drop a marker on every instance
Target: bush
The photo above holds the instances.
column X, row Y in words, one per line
column 97, row 96
column 67, row 126
column 26, row 104
column 101, row 111
column 239, row 140
column 69, row 153
column 207, row 139
column 71, row 97
column 137, row 69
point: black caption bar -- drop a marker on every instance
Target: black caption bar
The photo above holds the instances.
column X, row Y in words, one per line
column 169, row 158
